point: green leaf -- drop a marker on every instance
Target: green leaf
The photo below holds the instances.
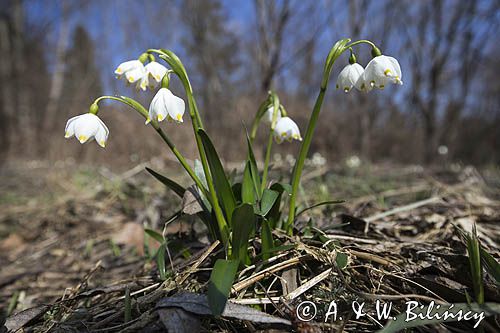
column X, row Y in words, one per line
column 323, row 203
column 491, row 265
column 268, row 200
column 267, row 240
column 243, row 222
column 224, row 192
column 489, row 309
column 280, row 187
column 253, row 168
column 475, row 265
column 160, row 262
column 178, row 189
column 155, row 235
column 247, row 187
column 237, row 188
column 341, row 260
column 219, row 286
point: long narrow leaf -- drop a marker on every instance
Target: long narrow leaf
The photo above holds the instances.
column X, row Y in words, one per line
column 247, row 187
column 223, row 188
column 253, row 168
column 267, row 240
column 491, row 265
column 178, row 189
column 475, row 266
column 153, row 234
column 221, row 281
column 243, row 222
column 160, row 262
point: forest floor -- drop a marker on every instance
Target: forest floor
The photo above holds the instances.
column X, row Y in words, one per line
column 74, row 255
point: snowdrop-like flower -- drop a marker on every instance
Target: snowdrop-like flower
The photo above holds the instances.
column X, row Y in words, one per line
column 268, row 116
column 286, row 129
column 349, row 76
column 166, row 105
column 87, row 127
column 155, row 72
column 380, row 71
column 132, row 71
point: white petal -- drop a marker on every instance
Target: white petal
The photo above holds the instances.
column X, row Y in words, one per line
column 397, row 75
column 102, row 136
column 175, row 107
column 158, row 106
column 143, row 83
column 362, row 84
column 135, row 74
column 156, row 70
column 69, row 130
column 127, row 66
column 86, row 127
column 268, row 116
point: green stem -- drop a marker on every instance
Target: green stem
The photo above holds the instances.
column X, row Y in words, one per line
column 276, row 109
column 335, row 52
column 177, row 66
column 361, row 41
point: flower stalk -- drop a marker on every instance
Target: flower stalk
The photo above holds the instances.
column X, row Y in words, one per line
column 143, row 112
column 276, row 111
column 179, row 69
column 335, row 52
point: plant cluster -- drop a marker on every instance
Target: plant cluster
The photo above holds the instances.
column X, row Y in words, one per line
column 233, row 211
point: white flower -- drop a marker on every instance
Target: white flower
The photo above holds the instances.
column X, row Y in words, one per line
column 349, row 76
column 86, row 127
column 166, row 105
column 155, row 71
column 380, row 71
column 132, row 71
column 286, row 129
column 268, row 116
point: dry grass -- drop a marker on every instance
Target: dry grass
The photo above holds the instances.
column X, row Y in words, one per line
column 72, row 248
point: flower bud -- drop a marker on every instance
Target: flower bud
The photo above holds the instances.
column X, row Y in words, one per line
column 352, row 58
column 165, row 82
column 94, row 108
column 376, row 52
column 143, row 57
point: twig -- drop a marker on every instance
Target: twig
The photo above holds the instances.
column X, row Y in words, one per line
column 308, row 285
column 266, row 272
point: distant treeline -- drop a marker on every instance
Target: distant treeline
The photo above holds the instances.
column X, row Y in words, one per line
column 56, row 58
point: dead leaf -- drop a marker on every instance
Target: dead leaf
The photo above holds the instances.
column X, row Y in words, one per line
column 20, row 319
column 191, row 201
column 198, row 304
column 177, row 320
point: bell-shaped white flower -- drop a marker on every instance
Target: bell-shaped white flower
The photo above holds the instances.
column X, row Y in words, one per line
column 268, row 116
column 382, row 70
column 87, row 127
column 286, row 129
column 349, row 76
column 132, row 71
column 155, row 72
column 166, row 105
